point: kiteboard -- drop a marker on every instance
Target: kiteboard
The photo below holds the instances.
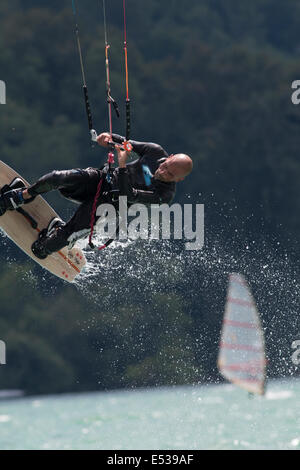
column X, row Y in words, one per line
column 24, row 225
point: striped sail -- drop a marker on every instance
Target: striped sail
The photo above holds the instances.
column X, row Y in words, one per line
column 241, row 357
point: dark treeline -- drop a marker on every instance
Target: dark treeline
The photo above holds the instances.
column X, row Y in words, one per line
column 210, row 78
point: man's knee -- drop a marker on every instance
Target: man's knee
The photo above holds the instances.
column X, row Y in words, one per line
column 63, row 177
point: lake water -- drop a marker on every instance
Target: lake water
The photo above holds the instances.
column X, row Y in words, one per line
column 190, row 417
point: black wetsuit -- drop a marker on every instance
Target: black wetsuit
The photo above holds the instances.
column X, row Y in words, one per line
column 80, row 185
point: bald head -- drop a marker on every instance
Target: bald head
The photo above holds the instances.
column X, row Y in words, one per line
column 184, row 164
column 175, row 168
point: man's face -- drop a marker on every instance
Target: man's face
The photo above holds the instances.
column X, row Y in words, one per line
column 168, row 171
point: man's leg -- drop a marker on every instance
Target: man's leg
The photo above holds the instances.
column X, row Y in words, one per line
column 60, row 234
column 50, row 239
column 76, row 184
column 79, row 225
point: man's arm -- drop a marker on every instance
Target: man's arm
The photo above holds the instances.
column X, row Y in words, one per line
column 141, row 148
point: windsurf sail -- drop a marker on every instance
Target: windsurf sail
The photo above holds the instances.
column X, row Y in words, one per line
column 242, row 358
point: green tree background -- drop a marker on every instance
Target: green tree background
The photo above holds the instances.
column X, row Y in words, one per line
column 210, row 78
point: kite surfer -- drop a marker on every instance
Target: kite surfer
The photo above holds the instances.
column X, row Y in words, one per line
column 150, row 179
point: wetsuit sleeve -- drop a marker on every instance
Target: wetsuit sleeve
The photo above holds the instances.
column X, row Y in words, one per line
column 140, row 196
column 143, row 148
